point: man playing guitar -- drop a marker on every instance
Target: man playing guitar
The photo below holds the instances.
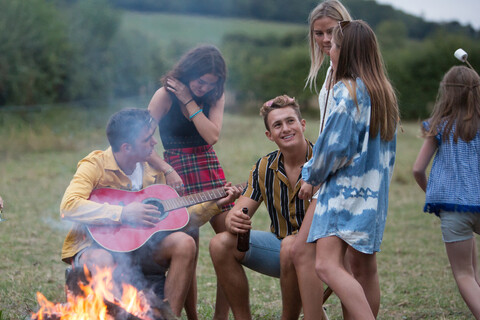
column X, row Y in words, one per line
column 124, row 166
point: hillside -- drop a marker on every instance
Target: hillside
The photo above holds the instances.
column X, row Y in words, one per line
column 295, row 12
column 165, row 28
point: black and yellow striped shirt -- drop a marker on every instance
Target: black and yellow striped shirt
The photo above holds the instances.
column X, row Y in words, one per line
column 268, row 182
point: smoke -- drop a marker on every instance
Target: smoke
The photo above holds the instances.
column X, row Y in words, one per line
column 137, row 268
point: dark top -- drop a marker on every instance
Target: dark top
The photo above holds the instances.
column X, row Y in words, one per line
column 176, row 131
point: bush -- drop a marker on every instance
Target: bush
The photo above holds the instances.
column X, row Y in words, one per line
column 35, row 52
column 417, row 70
column 71, row 52
column 261, row 68
column 92, row 25
column 138, row 65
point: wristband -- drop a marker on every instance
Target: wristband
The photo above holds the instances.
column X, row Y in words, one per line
column 193, row 115
column 166, row 173
column 185, row 104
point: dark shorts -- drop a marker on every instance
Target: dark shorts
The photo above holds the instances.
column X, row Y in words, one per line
column 136, row 267
column 140, row 258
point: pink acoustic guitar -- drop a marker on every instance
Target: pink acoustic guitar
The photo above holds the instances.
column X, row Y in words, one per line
column 174, row 215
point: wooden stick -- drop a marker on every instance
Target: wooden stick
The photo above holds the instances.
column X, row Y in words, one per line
column 327, row 293
column 118, row 312
column 466, row 61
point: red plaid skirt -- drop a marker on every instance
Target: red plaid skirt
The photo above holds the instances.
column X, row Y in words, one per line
column 199, row 169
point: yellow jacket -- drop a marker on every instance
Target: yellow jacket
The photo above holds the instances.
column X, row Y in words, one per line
column 100, row 170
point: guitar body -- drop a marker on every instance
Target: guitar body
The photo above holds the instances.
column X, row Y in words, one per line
column 125, row 238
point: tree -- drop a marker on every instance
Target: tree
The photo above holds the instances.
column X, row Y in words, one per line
column 392, row 34
column 261, row 68
column 92, row 25
column 418, row 72
column 35, row 52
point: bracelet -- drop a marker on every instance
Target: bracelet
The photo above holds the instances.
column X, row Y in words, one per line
column 185, row 104
column 193, row 115
column 166, row 173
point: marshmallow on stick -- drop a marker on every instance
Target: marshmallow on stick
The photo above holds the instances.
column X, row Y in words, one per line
column 461, row 55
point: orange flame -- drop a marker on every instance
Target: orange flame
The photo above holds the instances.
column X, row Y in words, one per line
column 91, row 305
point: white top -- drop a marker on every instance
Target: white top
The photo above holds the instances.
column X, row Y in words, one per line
column 324, row 105
column 137, row 177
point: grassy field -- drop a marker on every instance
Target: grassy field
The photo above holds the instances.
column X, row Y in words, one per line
column 191, row 30
column 39, row 156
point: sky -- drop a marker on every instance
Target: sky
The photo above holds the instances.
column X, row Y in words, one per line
column 463, row 11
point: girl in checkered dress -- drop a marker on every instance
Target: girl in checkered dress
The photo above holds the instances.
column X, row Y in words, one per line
column 452, row 134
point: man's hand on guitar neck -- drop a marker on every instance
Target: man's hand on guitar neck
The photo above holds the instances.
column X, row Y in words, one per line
column 140, row 214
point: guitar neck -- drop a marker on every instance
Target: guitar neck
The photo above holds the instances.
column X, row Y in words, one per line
column 190, row 200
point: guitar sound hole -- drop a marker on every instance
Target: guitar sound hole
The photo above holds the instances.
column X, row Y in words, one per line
column 157, row 203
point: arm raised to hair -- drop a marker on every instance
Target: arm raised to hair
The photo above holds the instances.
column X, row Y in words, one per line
column 208, row 127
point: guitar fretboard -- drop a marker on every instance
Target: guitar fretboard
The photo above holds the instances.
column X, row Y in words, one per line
column 187, row 201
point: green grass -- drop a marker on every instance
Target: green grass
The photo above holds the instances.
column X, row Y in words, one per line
column 39, row 158
column 191, row 30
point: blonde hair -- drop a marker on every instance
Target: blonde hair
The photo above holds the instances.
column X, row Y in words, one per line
column 457, row 105
column 360, row 57
column 328, row 8
column 279, row 102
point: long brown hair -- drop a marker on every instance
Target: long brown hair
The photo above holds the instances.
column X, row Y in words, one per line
column 196, row 63
column 360, row 57
column 457, row 105
column 329, row 8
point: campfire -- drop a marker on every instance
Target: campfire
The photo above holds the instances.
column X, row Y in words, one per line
column 92, row 298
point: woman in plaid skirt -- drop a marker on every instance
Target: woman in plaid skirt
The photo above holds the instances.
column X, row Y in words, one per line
column 189, row 108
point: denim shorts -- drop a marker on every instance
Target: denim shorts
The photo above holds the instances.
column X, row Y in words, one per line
column 264, row 253
column 459, row 226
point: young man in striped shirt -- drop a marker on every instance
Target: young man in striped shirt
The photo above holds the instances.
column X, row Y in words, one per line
column 275, row 180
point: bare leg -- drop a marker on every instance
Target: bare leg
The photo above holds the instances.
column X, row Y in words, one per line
column 303, row 254
column 98, row 258
column 364, row 269
column 474, row 260
column 291, row 301
column 191, row 299
column 461, row 257
column 177, row 250
column 221, row 303
column 330, row 267
column 230, row 274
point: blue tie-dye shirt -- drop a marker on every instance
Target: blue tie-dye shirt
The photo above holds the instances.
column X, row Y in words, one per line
column 354, row 171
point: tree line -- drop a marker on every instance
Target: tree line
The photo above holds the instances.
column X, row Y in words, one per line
column 263, row 67
column 294, row 11
column 65, row 50
column 55, row 51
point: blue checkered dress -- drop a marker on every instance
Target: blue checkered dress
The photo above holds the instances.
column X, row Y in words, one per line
column 454, row 182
